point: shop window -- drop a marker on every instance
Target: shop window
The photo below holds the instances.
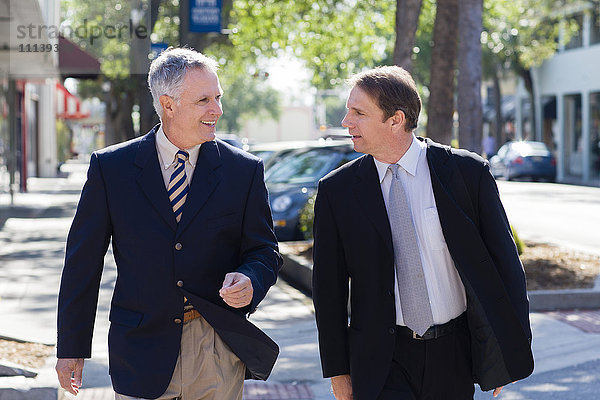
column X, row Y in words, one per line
column 573, row 135
column 595, row 135
column 577, row 37
column 595, row 27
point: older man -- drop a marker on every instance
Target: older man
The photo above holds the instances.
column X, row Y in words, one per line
column 438, row 297
column 192, row 237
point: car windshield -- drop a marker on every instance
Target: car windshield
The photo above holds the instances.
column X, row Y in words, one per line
column 530, row 148
column 305, row 167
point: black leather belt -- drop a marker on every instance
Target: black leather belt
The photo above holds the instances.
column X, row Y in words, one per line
column 435, row 331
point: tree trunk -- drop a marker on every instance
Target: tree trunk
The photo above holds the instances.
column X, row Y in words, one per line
column 498, row 131
column 407, row 21
column 528, row 81
column 440, row 107
column 119, row 104
column 470, row 119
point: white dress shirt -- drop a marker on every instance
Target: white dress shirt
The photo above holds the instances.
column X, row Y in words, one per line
column 445, row 289
column 167, row 161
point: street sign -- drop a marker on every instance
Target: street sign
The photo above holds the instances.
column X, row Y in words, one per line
column 157, row 48
column 205, row 15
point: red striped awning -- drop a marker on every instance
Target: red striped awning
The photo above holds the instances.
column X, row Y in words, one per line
column 68, row 106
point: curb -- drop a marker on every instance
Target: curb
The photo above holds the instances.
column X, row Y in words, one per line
column 299, row 272
column 45, row 393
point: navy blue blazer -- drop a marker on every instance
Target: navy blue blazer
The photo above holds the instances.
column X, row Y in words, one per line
column 226, row 226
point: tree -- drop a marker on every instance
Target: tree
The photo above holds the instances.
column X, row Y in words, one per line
column 469, row 75
column 335, row 38
column 119, row 56
column 440, row 107
column 520, row 35
column 407, row 18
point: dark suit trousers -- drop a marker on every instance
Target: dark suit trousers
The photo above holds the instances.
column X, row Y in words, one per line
column 436, row 369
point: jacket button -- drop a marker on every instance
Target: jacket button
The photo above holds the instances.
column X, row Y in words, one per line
column 392, row 331
column 180, row 283
column 390, row 293
column 178, row 246
column 177, row 320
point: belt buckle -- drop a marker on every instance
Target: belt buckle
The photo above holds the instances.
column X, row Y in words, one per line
column 415, row 336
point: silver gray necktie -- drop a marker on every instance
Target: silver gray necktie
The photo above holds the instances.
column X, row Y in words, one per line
column 414, row 299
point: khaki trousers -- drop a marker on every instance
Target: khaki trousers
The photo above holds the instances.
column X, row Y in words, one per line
column 206, row 368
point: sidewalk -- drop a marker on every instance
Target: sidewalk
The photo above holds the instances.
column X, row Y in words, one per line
column 32, row 238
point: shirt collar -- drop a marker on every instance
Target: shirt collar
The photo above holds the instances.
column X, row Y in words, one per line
column 168, row 150
column 409, row 160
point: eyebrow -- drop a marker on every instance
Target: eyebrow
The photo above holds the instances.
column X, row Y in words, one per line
column 357, row 109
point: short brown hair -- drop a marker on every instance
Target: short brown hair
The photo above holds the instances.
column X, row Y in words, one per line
column 393, row 88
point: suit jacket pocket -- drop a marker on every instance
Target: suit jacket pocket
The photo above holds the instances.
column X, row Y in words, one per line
column 125, row 317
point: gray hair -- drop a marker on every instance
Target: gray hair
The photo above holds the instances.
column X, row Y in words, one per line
column 168, row 70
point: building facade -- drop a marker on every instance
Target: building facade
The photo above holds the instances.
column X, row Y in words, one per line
column 567, row 102
column 28, row 75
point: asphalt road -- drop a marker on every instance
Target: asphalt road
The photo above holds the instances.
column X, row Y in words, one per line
column 566, row 215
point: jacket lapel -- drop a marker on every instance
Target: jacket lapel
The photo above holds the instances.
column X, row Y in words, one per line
column 150, row 178
column 368, row 191
column 206, row 179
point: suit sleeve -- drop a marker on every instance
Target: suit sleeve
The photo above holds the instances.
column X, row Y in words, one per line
column 330, row 289
column 261, row 261
column 497, row 235
column 87, row 243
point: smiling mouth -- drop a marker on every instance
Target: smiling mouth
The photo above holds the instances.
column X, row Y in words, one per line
column 209, row 123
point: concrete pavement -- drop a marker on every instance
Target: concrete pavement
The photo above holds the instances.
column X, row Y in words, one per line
column 32, row 235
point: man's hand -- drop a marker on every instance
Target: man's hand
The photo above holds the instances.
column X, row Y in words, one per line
column 69, row 371
column 237, row 290
column 342, row 387
column 497, row 391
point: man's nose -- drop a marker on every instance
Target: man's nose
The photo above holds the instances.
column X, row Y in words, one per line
column 346, row 122
column 217, row 108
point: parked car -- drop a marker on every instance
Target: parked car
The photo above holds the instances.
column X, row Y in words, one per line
column 524, row 159
column 272, row 152
column 294, row 178
column 231, row 138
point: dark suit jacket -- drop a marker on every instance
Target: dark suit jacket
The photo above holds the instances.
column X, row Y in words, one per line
column 226, row 226
column 353, row 242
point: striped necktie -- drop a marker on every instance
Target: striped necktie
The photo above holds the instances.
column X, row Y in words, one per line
column 178, row 186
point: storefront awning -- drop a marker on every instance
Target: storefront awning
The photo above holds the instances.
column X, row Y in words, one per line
column 68, row 106
column 74, row 62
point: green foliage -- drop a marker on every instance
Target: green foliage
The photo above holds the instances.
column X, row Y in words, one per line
column 334, row 37
column 166, row 29
column 245, row 96
column 306, row 217
column 520, row 244
column 522, row 34
column 82, row 22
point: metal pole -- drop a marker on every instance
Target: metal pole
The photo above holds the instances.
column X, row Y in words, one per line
column 12, row 133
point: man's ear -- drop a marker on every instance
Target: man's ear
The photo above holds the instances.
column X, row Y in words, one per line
column 166, row 102
column 398, row 120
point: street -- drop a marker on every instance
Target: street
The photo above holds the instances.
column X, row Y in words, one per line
column 32, row 235
column 565, row 215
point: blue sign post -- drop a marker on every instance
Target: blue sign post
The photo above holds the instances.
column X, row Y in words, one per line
column 157, row 48
column 205, row 15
